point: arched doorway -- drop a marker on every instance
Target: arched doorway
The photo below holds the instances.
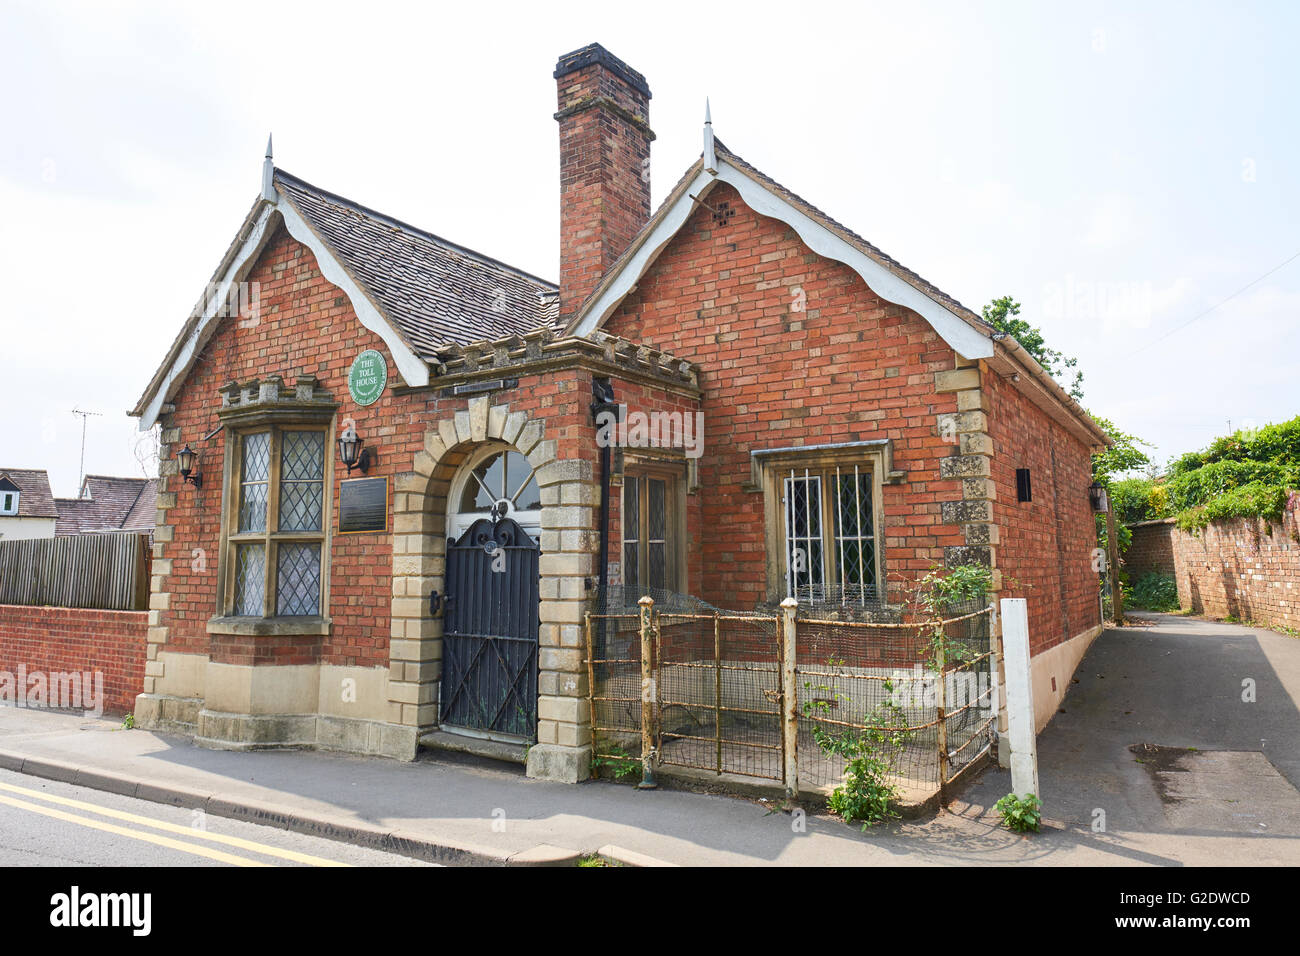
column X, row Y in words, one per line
column 492, row 598
column 495, row 475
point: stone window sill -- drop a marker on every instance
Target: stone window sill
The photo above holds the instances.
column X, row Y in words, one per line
column 269, row 625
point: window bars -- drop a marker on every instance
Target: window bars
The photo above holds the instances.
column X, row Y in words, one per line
column 830, row 546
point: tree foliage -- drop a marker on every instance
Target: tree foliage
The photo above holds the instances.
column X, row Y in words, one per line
column 1249, row 473
column 1138, row 499
column 1278, row 444
column 1122, row 457
column 1001, row 314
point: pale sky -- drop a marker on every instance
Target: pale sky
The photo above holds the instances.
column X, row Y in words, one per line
column 1118, row 168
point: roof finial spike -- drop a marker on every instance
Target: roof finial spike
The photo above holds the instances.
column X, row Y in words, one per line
column 268, row 174
column 710, row 155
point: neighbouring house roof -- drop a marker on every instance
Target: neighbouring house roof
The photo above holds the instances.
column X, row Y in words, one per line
column 34, row 497
column 109, row 504
column 415, row 290
column 143, row 515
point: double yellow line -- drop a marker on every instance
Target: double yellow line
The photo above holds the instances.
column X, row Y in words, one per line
column 184, row 846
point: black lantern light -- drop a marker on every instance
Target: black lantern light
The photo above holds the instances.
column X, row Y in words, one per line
column 351, row 451
column 1097, row 495
column 187, row 458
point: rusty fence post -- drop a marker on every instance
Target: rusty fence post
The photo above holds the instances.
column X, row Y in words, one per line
column 995, row 683
column 717, row 689
column 941, row 711
column 649, row 694
column 591, row 684
column 1112, row 562
column 789, row 698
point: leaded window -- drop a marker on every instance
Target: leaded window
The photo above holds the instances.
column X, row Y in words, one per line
column 650, row 560
column 828, row 534
column 279, row 526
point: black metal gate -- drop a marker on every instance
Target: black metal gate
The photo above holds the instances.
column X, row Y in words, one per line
column 489, row 642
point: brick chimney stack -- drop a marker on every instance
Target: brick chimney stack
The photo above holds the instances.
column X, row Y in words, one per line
column 605, row 136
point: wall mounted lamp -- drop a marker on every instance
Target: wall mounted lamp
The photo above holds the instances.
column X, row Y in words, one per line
column 187, row 458
column 351, row 452
column 1097, row 495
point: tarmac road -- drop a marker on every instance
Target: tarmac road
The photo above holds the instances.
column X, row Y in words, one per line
column 46, row 823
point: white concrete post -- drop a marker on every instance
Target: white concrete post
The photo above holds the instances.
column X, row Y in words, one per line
column 1020, row 697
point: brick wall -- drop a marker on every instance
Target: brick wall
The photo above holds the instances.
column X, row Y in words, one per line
column 1045, row 545
column 307, row 326
column 604, row 146
column 793, row 349
column 637, row 397
column 1245, row 568
column 1152, row 549
column 60, row 639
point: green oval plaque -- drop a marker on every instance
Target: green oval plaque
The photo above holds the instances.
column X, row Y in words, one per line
column 368, row 377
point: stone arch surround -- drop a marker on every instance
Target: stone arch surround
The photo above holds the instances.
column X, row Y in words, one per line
column 568, row 541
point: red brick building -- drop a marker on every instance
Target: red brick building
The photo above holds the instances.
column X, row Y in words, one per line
column 735, row 398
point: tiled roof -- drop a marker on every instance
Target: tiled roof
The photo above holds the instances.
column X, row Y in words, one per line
column 34, row 497
column 109, row 504
column 143, row 515
column 436, row 292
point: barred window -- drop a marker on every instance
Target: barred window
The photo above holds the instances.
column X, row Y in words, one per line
column 828, row 534
column 278, row 529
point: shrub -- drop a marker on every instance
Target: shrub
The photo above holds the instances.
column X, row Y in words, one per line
column 1195, row 488
column 1158, row 501
column 1279, row 444
column 1131, row 499
column 1243, row 475
column 1154, row 591
column 617, row 762
column 871, row 755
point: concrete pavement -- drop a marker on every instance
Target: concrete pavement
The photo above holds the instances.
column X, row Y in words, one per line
column 1172, row 686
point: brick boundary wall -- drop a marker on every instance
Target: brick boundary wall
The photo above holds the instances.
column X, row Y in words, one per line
column 76, row 640
column 1246, row 568
column 1152, row 548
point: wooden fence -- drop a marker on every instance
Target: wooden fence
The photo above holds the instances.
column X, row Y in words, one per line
column 105, row 571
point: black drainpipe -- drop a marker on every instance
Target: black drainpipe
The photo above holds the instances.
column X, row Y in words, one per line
column 602, row 400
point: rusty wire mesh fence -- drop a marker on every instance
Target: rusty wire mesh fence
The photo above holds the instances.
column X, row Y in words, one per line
column 970, row 687
column 615, row 688
column 850, row 676
column 721, row 693
column 855, row 678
